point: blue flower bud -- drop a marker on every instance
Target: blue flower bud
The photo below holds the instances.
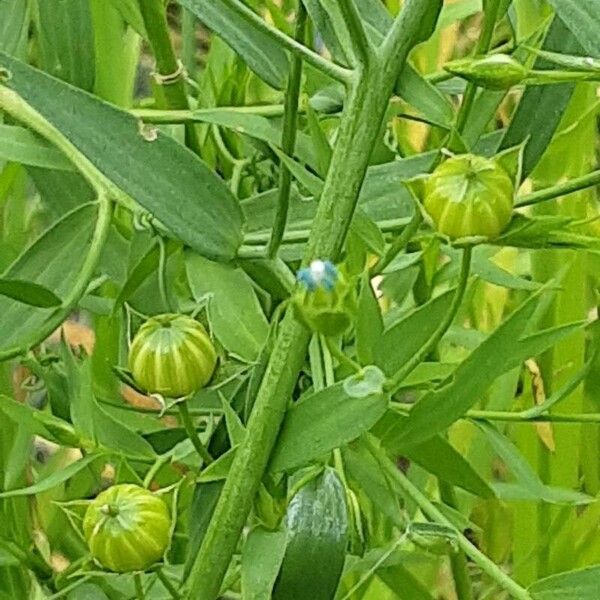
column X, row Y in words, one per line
column 325, row 300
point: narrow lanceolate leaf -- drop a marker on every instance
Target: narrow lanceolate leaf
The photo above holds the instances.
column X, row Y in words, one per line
column 160, row 174
column 323, row 421
column 261, row 559
column 18, row 144
column 234, row 312
column 541, row 109
column 581, row 584
column 527, row 485
column 56, row 478
column 316, row 526
column 502, row 351
column 52, row 261
column 263, row 55
column 403, row 339
column 66, row 39
column 438, row 456
column 28, row 292
column 582, row 17
column 14, row 25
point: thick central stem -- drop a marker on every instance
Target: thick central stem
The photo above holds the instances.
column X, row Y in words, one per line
column 363, row 116
column 358, row 134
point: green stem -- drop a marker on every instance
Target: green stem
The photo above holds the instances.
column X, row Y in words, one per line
column 431, row 512
column 316, row 60
column 288, row 137
column 339, row 354
column 396, row 380
column 458, row 560
column 162, row 274
column 359, row 130
column 162, row 460
column 399, row 244
column 170, row 72
column 69, row 588
column 562, row 189
column 483, row 46
column 360, row 43
column 259, row 238
column 139, row 587
column 192, row 434
column 517, row 417
column 200, row 115
column 164, row 579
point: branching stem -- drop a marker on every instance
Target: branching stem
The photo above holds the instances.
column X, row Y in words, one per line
column 288, row 138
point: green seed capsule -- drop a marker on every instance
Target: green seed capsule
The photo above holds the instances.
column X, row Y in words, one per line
column 172, row 355
column 470, row 196
column 494, row 72
column 127, row 528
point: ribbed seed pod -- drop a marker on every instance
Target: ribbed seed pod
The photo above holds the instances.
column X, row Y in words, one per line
column 127, row 528
column 172, row 355
column 469, row 196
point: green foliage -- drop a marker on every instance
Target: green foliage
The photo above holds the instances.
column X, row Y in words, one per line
column 442, row 440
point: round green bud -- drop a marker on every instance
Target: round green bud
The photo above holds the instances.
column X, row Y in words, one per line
column 469, row 196
column 172, row 355
column 127, row 528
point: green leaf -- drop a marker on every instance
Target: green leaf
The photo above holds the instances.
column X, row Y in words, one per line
column 234, row 312
column 14, row 26
column 21, row 145
column 366, row 229
column 369, row 324
column 541, row 108
column 66, row 41
column 321, row 422
column 263, row 55
column 581, row 584
column 235, row 428
column 437, row 456
column 528, row 485
column 488, row 270
column 398, row 577
column 258, row 127
column 61, row 191
column 130, row 11
column 146, row 266
column 54, row 479
column 582, row 17
column 40, row 423
column 219, row 469
column 91, row 419
column 52, row 261
column 261, row 559
column 365, row 474
column 29, row 293
column 403, row 339
column 316, row 526
column 503, row 350
column 160, row 174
